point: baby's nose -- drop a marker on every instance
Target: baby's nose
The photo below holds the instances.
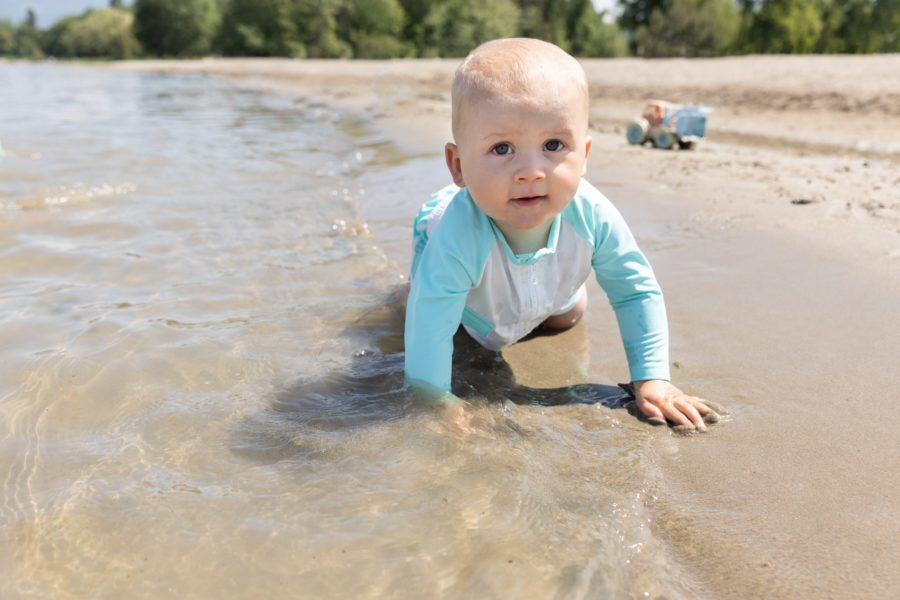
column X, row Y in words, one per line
column 530, row 170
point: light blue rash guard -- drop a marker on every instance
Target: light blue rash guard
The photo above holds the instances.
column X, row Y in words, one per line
column 464, row 272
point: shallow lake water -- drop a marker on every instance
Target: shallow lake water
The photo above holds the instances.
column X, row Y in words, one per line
column 201, row 387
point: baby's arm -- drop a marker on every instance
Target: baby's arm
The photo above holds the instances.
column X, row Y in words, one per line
column 441, row 279
column 432, row 318
column 448, row 260
column 634, row 294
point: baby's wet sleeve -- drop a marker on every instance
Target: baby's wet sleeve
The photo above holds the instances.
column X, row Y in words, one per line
column 625, row 275
column 434, row 311
column 448, row 262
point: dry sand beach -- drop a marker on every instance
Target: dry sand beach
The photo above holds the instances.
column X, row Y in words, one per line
column 777, row 243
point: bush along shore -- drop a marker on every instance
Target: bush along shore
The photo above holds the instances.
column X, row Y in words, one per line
column 383, row 29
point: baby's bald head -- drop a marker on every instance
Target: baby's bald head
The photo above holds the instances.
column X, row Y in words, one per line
column 519, row 70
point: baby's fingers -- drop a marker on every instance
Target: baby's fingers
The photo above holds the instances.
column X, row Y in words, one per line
column 711, row 418
column 653, row 414
column 714, row 406
column 659, row 412
column 709, row 411
column 685, row 414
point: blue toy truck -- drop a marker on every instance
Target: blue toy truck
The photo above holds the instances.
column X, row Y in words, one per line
column 666, row 124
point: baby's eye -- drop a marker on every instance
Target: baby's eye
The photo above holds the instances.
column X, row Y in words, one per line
column 553, row 146
column 501, row 149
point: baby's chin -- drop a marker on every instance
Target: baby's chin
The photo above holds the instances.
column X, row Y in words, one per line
column 527, row 218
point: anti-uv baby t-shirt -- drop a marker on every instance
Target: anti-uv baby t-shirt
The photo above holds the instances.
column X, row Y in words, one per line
column 464, row 272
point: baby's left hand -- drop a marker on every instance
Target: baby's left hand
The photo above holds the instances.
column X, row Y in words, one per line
column 659, row 401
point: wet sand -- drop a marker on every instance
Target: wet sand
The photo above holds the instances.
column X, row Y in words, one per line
column 777, row 243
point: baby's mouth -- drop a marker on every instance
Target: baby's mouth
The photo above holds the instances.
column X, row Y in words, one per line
column 528, row 200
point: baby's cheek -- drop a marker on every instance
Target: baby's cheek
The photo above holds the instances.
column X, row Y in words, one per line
column 572, row 176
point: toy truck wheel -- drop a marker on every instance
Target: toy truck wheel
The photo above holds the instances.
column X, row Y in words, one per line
column 664, row 139
column 637, row 131
column 686, row 145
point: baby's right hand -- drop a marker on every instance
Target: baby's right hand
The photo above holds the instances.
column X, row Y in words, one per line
column 454, row 415
column 456, row 419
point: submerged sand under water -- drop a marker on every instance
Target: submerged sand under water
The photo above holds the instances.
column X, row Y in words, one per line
column 201, row 380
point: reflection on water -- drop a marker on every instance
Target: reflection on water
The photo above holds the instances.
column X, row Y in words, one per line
column 201, row 379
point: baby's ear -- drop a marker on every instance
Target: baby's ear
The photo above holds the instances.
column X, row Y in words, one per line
column 587, row 150
column 451, row 154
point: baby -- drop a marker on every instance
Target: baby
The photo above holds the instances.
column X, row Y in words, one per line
column 509, row 247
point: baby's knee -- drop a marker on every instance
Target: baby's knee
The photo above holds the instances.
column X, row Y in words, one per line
column 569, row 318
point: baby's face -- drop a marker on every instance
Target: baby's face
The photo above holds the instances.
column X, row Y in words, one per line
column 521, row 160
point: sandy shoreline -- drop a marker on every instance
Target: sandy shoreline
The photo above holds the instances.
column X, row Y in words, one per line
column 778, row 245
column 820, row 130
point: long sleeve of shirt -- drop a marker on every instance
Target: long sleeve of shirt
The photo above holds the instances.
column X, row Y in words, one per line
column 444, row 272
column 625, row 275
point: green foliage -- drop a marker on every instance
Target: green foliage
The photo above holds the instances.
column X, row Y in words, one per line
column 457, row 26
column 373, row 28
column 24, row 40
column 573, row 25
column 376, row 45
column 317, row 24
column 414, row 30
column 375, row 16
column 689, row 28
column 638, row 12
column 546, row 20
column 860, row 26
column 176, row 27
column 28, row 46
column 589, row 35
column 801, row 26
column 315, row 28
column 106, row 33
column 397, row 28
column 7, row 38
column 261, row 28
column 786, row 26
column 886, row 25
column 845, row 27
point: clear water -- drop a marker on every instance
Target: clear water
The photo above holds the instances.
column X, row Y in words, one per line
column 201, row 372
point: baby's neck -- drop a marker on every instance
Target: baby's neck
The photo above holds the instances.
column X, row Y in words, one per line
column 524, row 241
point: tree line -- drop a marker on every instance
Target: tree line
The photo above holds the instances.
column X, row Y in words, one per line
column 450, row 28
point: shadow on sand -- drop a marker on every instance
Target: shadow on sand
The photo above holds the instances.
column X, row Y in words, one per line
column 371, row 391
